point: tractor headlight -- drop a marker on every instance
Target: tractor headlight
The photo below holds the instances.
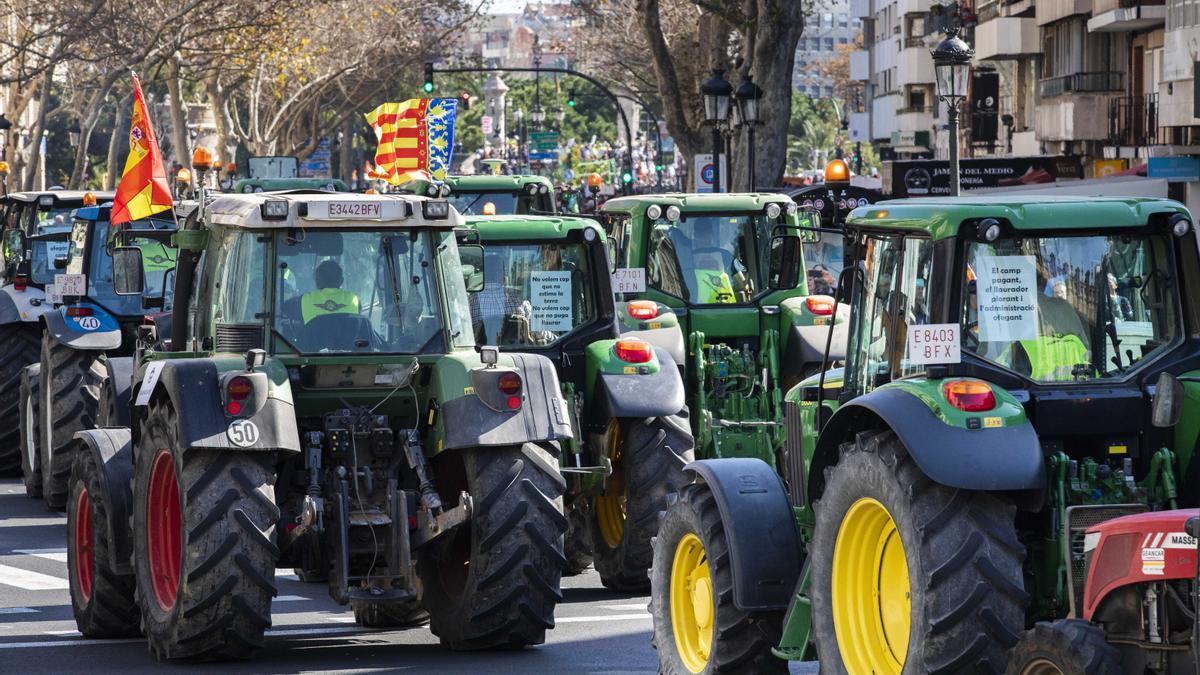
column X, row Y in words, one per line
column 654, row 212
column 792, row 209
column 1180, row 225
column 531, row 188
column 274, row 209
column 673, row 213
column 438, row 209
column 773, row 211
column 589, row 234
column 543, row 189
column 988, row 229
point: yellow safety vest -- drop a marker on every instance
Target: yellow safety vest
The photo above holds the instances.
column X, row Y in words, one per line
column 714, row 287
column 1052, row 358
column 327, row 301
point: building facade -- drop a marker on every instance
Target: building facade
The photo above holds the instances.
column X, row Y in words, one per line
column 828, row 30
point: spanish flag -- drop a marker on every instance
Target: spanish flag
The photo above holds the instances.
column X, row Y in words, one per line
column 415, row 135
column 143, row 190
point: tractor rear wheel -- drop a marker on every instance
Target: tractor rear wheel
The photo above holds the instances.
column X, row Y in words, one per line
column 102, row 598
column 648, row 457
column 204, row 550
column 389, row 614
column 909, row 575
column 697, row 629
column 494, row 581
column 31, row 462
column 1064, row 647
column 18, row 348
column 70, row 394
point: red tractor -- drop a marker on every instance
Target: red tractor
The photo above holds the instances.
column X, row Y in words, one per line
column 1137, row 611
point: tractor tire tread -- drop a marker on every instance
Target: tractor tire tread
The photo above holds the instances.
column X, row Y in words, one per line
column 1074, row 645
column 30, row 404
column 71, row 382
column 18, row 348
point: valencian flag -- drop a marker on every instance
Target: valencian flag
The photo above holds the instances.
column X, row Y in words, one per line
column 414, row 136
column 143, row 190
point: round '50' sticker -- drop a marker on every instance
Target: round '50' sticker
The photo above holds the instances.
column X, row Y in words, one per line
column 242, row 433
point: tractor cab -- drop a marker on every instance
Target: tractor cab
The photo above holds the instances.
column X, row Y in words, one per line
column 39, row 213
column 492, row 195
column 711, row 289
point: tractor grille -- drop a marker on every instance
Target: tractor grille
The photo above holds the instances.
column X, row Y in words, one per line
column 238, row 338
column 793, row 454
column 1079, row 519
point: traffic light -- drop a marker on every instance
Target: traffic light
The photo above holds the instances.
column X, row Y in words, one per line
column 428, row 77
column 627, row 177
column 465, row 97
column 570, row 98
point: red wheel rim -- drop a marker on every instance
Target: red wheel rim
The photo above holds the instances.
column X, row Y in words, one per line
column 162, row 530
column 83, row 544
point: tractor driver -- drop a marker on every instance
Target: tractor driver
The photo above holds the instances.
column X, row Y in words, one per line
column 328, row 297
column 708, row 261
column 1062, row 346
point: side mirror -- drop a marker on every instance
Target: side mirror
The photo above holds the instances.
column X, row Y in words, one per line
column 1167, row 404
column 472, row 266
column 785, row 267
column 14, row 245
column 60, row 262
column 128, row 278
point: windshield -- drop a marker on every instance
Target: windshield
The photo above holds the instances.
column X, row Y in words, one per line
column 533, row 294
column 823, row 260
column 157, row 259
column 476, row 203
column 710, row 259
column 42, row 253
column 48, row 219
column 1061, row 309
column 357, row 291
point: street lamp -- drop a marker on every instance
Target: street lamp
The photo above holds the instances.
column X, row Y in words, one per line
column 952, row 65
column 73, row 132
column 538, row 116
column 717, row 93
column 747, row 95
column 561, row 116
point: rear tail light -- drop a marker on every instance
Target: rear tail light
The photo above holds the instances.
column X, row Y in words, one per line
column 970, row 395
column 633, row 351
column 239, row 388
column 643, row 309
column 510, row 383
column 514, row 402
column 20, row 283
column 79, row 311
column 820, row 305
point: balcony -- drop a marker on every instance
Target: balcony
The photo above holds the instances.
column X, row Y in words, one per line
column 1080, row 83
column 905, row 7
column 914, row 66
column 1007, row 38
column 860, row 65
column 1079, row 117
column 1133, row 121
column 1112, row 16
column 860, row 9
column 1049, row 11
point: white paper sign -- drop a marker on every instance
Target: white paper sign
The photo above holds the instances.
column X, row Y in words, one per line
column 551, row 300
column 52, row 295
column 57, row 249
column 149, row 380
column 629, row 280
column 71, row 284
column 933, row 344
column 1006, row 286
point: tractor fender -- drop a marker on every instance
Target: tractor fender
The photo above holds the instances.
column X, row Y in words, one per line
column 76, row 332
column 650, row 395
column 470, row 423
column 806, row 344
column 194, row 389
column 120, row 377
column 27, row 305
column 1001, row 459
column 764, row 545
column 669, row 339
column 112, row 449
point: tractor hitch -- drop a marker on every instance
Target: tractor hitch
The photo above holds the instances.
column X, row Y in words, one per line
column 430, row 527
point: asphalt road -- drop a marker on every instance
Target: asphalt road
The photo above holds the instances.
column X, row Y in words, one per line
column 597, row 631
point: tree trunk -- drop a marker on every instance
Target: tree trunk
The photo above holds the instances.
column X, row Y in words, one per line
column 179, row 131
column 35, row 158
column 120, row 131
column 91, row 114
column 346, row 151
column 225, row 149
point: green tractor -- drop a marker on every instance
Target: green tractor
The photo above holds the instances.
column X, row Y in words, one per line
column 703, row 270
column 321, row 405
column 491, row 194
column 548, row 292
column 254, row 185
column 1005, row 359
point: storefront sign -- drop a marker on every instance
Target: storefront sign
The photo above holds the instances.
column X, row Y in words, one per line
column 925, row 177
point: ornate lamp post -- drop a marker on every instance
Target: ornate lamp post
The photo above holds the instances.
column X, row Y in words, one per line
column 748, row 95
column 718, row 95
column 952, row 64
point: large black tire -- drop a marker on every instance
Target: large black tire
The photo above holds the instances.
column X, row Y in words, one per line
column 1064, row 647
column 740, row 641
column 102, row 598
column 389, row 614
column 648, row 470
column 577, row 545
column 31, row 461
column 494, row 582
column 963, row 560
column 70, row 394
column 18, row 348
column 220, row 605
column 107, row 414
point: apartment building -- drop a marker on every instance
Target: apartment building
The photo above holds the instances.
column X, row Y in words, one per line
column 829, row 29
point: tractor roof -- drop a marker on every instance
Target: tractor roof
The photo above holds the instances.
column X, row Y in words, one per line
column 274, row 184
column 524, row 228
column 60, row 196
column 481, row 183
column 327, row 210
column 941, row 217
column 692, row 203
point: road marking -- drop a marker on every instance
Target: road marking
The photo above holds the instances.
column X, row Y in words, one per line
column 55, row 554
column 341, row 619
column 57, row 521
column 290, row 598
column 610, row 617
column 65, row 633
column 625, row 608
column 30, row 581
column 18, row 610
column 289, row 577
column 286, row 632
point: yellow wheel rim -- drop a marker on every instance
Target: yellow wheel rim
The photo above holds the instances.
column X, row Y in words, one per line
column 872, row 608
column 692, row 608
column 610, row 507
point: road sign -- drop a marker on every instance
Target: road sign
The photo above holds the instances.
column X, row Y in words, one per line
column 704, row 170
column 543, row 146
column 486, row 123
